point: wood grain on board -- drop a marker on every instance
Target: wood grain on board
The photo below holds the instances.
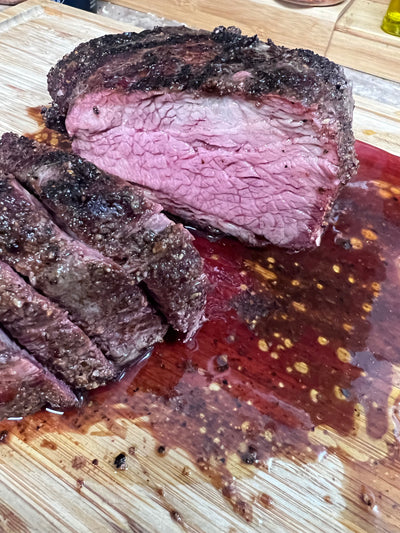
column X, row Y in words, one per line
column 45, row 488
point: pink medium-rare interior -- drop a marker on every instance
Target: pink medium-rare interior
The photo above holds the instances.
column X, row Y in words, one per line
column 267, row 169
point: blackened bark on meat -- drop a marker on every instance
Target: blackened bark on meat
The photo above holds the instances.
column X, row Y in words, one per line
column 54, row 119
column 100, row 298
column 46, row 332
column 26, row 386
column 175, row 278
column 181, row 59
column 115, row 217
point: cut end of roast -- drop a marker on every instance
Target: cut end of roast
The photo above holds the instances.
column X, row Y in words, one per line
column 263, row 173
column 221, row 129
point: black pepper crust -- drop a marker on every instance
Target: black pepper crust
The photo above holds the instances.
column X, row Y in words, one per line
column 181, row 59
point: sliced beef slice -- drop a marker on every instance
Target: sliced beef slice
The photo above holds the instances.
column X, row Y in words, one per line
column 45, row 330
column 98, row 295
column 115, row 217
column 26, row 386
column 249, row 137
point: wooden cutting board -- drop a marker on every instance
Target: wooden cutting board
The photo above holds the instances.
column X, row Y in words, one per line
column 57, row 480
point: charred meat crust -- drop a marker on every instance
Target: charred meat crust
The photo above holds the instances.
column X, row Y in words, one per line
column 173, row 262
column 180, row 59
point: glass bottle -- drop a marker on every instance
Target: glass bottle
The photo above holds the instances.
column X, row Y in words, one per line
column 391, row 21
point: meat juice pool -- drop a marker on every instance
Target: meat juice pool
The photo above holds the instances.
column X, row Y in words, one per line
column 293, row 342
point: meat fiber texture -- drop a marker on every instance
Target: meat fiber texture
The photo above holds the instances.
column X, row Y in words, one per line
column 245, row 136
column 99, row 297
column 45, row 330
column 26, row 386
column 114, row 216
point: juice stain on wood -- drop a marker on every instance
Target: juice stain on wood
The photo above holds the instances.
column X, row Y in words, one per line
column 293, row 342
column 46, row 135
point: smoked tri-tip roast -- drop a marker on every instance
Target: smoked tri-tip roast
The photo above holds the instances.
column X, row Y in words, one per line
column 232, row 133
column 245, row 136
